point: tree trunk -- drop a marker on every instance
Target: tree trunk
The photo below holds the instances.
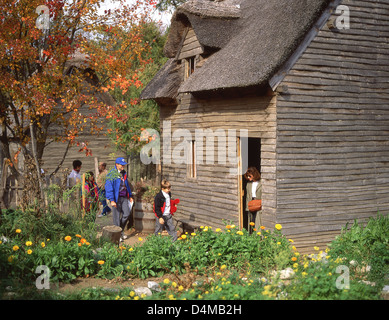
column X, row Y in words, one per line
column 112, row 233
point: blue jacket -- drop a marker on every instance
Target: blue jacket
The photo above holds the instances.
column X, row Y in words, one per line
column 112, row 185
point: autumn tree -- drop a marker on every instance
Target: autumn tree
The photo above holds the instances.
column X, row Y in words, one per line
column 127, row 128
column 40, row 88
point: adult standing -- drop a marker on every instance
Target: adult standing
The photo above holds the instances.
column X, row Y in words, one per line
column 101, row 178
column 118, row 192
column 253, row 192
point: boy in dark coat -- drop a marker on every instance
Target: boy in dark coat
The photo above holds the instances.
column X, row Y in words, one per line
column 163, row 211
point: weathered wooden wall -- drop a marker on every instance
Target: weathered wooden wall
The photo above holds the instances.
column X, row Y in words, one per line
column 213, row 194
column 333, row 129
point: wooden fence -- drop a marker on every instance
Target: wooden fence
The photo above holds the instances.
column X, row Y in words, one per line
column 55, row 187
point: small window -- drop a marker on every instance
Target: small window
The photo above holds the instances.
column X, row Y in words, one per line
column 189, row 66
column 191, row 163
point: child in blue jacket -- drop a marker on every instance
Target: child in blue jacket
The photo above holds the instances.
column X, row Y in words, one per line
column 118, row 192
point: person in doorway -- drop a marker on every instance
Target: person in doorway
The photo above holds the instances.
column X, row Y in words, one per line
column 118, row 192
column 162, row 210
column 101, row 178
column 253, row 192
column 75, row 176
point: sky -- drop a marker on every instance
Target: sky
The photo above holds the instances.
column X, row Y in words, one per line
column 164, row 17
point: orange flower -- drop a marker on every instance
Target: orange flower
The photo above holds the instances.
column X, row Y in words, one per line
column 68, row 238
column 228, row 227
column 83, row 240
column 263, row 228
column 294, row 258
column 78, row 236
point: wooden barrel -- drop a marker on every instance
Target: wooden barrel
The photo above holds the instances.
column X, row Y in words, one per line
column 144, row 218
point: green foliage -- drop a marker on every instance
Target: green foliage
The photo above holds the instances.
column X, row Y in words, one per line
column 366, row 246
column 209, row 264
column 126, row 128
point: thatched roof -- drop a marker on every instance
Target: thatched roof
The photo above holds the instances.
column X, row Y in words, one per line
column 252, row 39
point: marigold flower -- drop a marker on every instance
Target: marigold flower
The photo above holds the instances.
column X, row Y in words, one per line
column 83, row 240
column 15, row 248
column 131, row 249
column 43, row 245
column 166, row 281
column 68, row 238
column 263, row 228
column 240, row 233
column 10, row 259
column 228, row 226
column 183, row 236
column 193, row 234
column 29, row 251
column 316, row 248
column 218, row 230
column 101, row 262
column 140, row 239
column 28, row 243
column 223, row 267
column 78, row 236
column 79, row 244
column 258, row 233
column 18, row 230
column 252, row 224
column 294, row 259
column 278, row 226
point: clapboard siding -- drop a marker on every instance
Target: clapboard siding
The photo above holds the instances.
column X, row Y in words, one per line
column 213, row 195
column 333, row 129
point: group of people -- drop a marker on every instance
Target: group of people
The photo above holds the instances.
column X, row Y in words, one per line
column 113, row 187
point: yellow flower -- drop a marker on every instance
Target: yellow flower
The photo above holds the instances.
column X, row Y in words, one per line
column 15, row 248
column 140, row 239
column 132, row 293
column 223, row 267
column 316, row 248
column 193, row 234
column 278, row 226
column 239, row 232
column 18, row 230
column 183, row 236
column 278, row 243
column 136, row 298
column 258, row 233
column 228, row 226
column 174, row 284
column 294, row 259
column 131, row 249
column 263, row 228
column 143, row 296
column 290, row 240
column 29, row 251
column 171, row 297
column 101, row 262
column 10, row 259
column 68, row 238
column 233, row 226
column 166, row 281
column 43, row 245
column 180, row 288
column 218, row 230
column 252, row 224
column 28, row 243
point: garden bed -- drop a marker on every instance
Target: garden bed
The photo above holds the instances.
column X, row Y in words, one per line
column 213, row 263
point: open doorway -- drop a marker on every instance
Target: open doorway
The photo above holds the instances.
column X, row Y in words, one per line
column 250, row 156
